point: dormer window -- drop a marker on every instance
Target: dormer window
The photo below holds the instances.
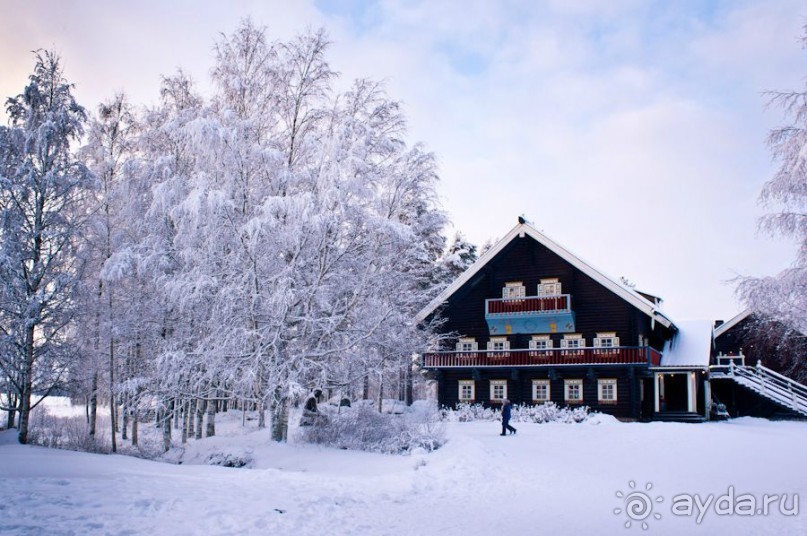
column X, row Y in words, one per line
column 514, row 289
column 549, row 287
column 467, row 344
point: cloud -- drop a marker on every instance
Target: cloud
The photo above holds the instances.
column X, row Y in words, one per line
column 630, row 131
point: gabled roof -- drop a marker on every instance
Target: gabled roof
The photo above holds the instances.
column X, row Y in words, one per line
column 725, row 326
column 524, row 229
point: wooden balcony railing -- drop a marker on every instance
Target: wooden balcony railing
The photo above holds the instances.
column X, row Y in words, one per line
column 526, row 305
column 620, row 355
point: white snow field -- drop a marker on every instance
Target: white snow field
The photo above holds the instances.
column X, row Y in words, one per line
column 547, row 479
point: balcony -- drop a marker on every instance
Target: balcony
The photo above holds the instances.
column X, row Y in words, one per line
column 533, row 314
column 619, row 355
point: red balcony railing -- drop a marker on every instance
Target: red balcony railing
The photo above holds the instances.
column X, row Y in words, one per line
column 531, row 304
column 620, row 355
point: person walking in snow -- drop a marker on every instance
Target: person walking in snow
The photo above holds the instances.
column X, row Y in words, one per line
column 506, row 418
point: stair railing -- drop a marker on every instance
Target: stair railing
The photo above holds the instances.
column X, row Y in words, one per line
column 773, row 385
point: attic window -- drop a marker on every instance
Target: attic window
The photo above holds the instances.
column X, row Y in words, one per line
column 467, row 344
column 514, row 289
column 549, row 287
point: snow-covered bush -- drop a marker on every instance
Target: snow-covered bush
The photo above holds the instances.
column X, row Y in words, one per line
column 546, row 412
column 231, row 458
column 69, row 433
column 549, row 412
column 363, row 428
column 466, row 412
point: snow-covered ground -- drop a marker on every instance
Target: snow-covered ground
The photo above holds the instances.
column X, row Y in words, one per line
column 549, row 478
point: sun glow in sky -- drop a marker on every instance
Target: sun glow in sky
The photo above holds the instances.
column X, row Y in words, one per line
column 630, row 131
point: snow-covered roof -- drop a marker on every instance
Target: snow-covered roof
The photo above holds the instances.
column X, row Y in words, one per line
column 525, row 229
column 725, row 326
column 691, row 346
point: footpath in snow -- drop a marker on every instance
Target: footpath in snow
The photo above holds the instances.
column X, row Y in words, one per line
column 549, row 478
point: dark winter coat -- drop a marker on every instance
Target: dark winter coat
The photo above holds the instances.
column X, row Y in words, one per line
column 506, row 412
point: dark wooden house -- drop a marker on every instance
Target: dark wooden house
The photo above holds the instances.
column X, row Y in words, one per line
column 532, row 322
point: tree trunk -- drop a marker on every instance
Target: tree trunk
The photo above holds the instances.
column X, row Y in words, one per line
column 201, row 406
column 177, row 407
column 211, row 418
column 134, row 429
column 113, row 410
column 280, row 419
column 380, row 392
column 27, row 385
column 93, row 403
column 261, row 413
column 409, row 395
column 166, row 425
column 124, row 415
column 185, row 421
column 12, row 411
column 192, row 417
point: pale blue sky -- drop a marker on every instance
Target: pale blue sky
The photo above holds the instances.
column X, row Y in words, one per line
column 631, row 131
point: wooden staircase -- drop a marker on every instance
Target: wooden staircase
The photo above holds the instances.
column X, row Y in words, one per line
column 786, row 393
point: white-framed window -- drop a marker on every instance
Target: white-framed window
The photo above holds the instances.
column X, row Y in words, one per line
column 572, row 344
column 573, row 391
column 606, row 391
column 498, row 344
column 540, row 342
column 572, row 340
column 514, row 289
column 467, row 344
column 606, row 339
column 549, row 287
column 467, row 390
column 541, row 391
column 498, row 390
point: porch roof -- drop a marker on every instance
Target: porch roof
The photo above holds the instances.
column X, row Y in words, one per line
column 691, row 346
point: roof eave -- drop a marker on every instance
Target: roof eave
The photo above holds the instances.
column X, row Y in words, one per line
column 523, row 229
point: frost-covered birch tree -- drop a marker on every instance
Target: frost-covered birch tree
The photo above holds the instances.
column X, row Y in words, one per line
column 43, row 200
column 110, row 147
column 784, row 297
column 780, row 301
column 280, row 237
